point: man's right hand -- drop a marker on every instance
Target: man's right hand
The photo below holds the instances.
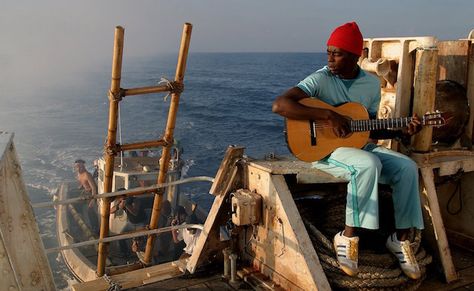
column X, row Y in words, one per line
column 174, row 222
column 340, row 124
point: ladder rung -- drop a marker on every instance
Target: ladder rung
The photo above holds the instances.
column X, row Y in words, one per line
column 146, row 90
column 142, row 145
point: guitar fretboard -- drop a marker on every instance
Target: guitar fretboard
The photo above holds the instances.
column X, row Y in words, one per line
column 374, row 124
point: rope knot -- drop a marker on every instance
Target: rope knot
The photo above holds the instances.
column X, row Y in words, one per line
column 111, row 150
column 116, row 96
column 174, row 87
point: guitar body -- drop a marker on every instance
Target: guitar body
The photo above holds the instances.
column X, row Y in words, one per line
column 311, row 142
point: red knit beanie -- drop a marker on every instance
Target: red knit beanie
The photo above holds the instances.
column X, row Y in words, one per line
column 347, row 37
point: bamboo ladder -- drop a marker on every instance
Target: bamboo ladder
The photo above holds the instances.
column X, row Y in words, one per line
column 112, row 148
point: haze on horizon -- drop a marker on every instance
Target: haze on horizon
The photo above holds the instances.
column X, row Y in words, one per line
column 45, row 42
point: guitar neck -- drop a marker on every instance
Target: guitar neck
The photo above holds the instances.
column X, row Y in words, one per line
column 375, row 124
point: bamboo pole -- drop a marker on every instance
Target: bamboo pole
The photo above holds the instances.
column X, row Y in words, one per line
column 424, row 93
column 165, row 156
column 142, row 145
column 146, row 90
column 114, row 97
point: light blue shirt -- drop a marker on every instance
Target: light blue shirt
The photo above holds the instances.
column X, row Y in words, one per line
column 329, row 88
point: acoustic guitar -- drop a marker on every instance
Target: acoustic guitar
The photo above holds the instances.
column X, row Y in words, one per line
column 311, row 140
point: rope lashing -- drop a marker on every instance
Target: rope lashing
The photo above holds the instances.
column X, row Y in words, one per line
column 117, row 96
column 111, row 150
column 174, row 86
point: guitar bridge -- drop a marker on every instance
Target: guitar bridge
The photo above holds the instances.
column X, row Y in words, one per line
column 312, row 128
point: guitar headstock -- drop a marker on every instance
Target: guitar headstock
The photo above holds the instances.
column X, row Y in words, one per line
column 436, row 118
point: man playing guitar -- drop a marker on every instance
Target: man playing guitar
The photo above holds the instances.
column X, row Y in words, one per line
column 341, row 81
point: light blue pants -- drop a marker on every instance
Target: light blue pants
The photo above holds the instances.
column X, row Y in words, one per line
column 365, row 168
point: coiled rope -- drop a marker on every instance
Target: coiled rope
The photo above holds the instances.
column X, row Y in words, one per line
column 378, row 269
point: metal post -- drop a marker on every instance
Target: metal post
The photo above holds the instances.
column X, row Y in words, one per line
column 233, row 268
column 226, row 254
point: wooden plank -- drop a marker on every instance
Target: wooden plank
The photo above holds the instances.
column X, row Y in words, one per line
column 224, row 174
column 22, row 258
column 424, row 93
column 404, row 80
column 257, row 280
column 449, row 162
column 181, row 264
column 162, row 276
column 430, row 195
column 460, row 239
column 282, row 249
column 224, row 182
column 289, row 165
column 218, row 285
column 182, row 283
column 132, row 279
column 453, row 167
column 163, row 268
column 208, row 241
column 453, row 60
column 465, row 282
column 470, row 91
column 198, row 287
column 318, row 177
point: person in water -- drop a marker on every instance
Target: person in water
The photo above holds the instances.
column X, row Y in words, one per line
column 89, row 188
column 341, row 81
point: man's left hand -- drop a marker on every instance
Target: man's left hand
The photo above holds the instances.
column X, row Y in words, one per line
column 414, row 126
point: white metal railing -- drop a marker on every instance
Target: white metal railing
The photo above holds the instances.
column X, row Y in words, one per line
column 123, row 236
column 134, row 191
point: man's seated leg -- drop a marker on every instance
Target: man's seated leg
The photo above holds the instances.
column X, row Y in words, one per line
column 403, row 251
column 347, row 253
column 362, row 169
column 401, row 173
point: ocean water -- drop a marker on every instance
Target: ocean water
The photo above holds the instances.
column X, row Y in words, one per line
column 227, row 101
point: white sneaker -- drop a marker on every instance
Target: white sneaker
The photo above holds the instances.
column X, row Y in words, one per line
column 347, row 253
column 402, row 250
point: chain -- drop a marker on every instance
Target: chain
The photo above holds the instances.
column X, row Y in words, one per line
column 113, row 286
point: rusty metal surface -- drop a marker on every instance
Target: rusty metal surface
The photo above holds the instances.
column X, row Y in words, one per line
column 452, row 100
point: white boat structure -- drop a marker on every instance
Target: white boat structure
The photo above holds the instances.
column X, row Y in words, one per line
column 74, row 225
column 277, row 211
column 23, row 261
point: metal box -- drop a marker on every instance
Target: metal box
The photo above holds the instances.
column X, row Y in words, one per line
column 246, row 207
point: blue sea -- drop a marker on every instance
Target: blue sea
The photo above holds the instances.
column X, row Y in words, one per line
column 227, row 101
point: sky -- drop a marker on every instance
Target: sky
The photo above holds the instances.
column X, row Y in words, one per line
column 45, row 39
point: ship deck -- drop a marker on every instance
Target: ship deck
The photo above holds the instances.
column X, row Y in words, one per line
column 213, row 280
